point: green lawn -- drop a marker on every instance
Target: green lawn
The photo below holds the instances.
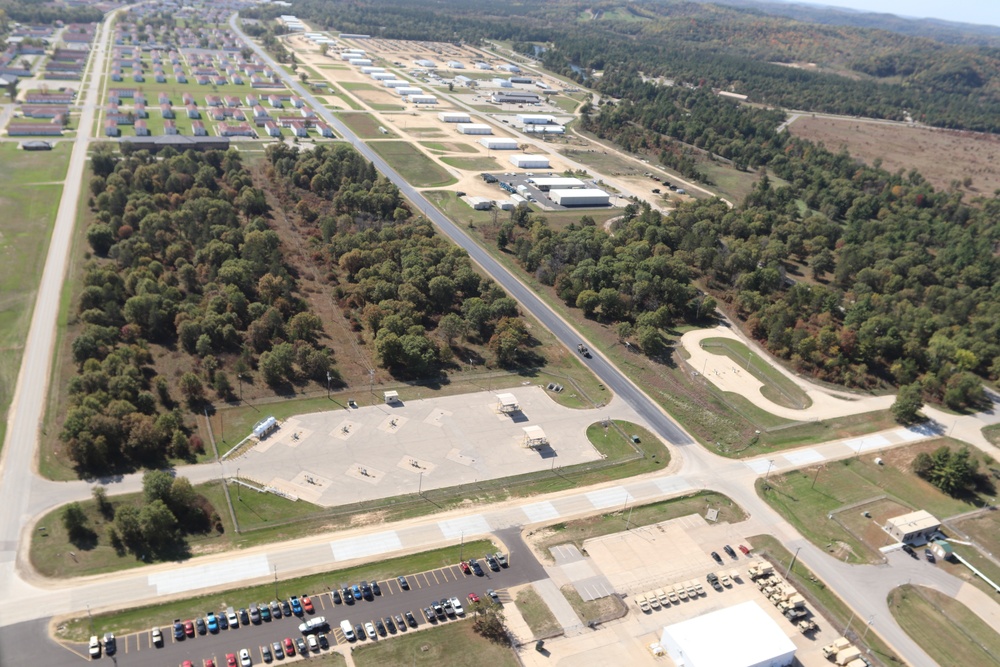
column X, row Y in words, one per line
column 364, row 125
column 777, row 388
column 418, row 169
column 944, row 627
column 29, row 211
column 452, row 644
column 139, row 618
column 473, row 163
column 840, row 483
column 579, row 530
column 442, row 147
column 824, row 600
column 536, row 613
column 992, row 433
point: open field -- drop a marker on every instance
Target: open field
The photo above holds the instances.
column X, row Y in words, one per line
column 580, row 530
column 473, row 163
column 139, row 618
column 992, row 433
column 941, row 156
column 29, row 201
column 594, row 610
column 536, row 613
column 453, row 644
column 823, row 599
column 442, row 147
column 948, row 630
column 777, row 388
column 807, row 497
column 364, row 125
column 418, row 169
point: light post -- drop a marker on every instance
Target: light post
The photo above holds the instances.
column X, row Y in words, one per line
column 275, row 582
column 420, row 482
column 328, row 384
column 238, row 485
column 869, row 624
column 792, row 562
column 770, row 462
column 239, row 376
column 461, row 548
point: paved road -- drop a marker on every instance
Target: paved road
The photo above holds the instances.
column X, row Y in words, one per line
column 28, row 404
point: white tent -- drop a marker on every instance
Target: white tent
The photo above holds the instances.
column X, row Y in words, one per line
column 534, row 436
column 507, row 403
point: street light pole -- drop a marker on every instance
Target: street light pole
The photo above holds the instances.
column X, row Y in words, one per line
column 275, row 582
column 238, row 485
column 328, row 384
column 770, row 462
column 239, row 376
column 461, row 548
column 792, row 562
column 420, row 482
column 870, row 621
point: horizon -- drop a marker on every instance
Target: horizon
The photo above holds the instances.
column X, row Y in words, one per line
column 961, row 12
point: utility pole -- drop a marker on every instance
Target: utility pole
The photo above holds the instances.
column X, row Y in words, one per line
column 239, row 376
column 328, row 385
column 816, row 476
column 420, row 482
column 461, row 548
column 238, row 485
column 792, row 562
column 275, row 582
column 770, row 462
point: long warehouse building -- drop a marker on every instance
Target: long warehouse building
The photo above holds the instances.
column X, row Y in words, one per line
column 580, row 197
column 529, row 161
column 453, row 117
column 474, row 128
column 546, row 183
column 500, row 144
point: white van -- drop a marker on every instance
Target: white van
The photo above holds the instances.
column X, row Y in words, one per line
column 345, row 627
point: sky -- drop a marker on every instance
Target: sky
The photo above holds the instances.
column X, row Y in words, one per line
column 985, row 12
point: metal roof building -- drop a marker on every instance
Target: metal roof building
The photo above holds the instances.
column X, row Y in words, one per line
column 474, row 128
column 739, row 636
column 500, row 144
column 580, row 197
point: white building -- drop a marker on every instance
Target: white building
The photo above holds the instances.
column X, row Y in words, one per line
column 474, row 128
column 427, row 64
column 383, row 76
column 543, row 129
column 483, row 66
column 546, row 183
column 409, row 90
column 915, row 527
column 395, row 83
column 454, row 64
column 502, row 83
column 535, row 119
column 510, row 68
column 529, row 161
column 739, row 636
column 422, row 99
column 479, row 203
column 372, row 70
column 357, row 62
column 453, row 117
column 499, row 144
column 583, row 197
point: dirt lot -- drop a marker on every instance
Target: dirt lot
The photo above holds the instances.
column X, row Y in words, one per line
column 942, row 156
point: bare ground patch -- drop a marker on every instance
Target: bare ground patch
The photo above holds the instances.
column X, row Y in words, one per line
column 941, row 156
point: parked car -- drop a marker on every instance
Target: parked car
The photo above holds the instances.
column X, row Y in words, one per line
column 359, row 631
column 501, row 558
column 265, row 612
column 465, row 567
column 265, row 653
column 279, row 653
column 403, row 583
column 308, row 605
column 473, row 598
column 491, row 562
column 493, row 594
column 313, row 625
column 199, row 624
column 289, row 647
column 746, row 552
column 189, row 628
column 312, row 643
column 211, row 621
column 929, row 555
column 208, row 662
column 110, row 645
column 286, row 608
column 717, row 557
column 400, row 623
column 95, row 647
column 375, row 589
column 457, row 606
column 234, row 621
column 178, row 629
column 157, row 637
column 356, row 592
column 335, row 596
column 410, row 619
column 476, row 569
column 244, row 616
column 370, row 630
column 296, row 605
column 449, row 609
column 323, row 641
column 729, row 550
column 389, row 624
column 230, row 660
column 301, row 645
column 254, row 614
column 275, row 609
column 245, row 660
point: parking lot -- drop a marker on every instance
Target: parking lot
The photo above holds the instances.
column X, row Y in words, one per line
column 424, row 589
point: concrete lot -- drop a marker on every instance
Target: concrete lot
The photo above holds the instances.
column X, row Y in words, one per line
column 652, row 557
column 340, row 457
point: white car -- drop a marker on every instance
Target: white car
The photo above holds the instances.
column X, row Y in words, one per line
column 95, row 647
column 312, row 625
column 156, row 636
column 234, row 621
column 313, row 643
column 370, row 631
column 245, row 660
column 457, row 604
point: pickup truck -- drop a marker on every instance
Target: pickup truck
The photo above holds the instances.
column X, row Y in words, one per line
column 313, row 625
column 640, row 600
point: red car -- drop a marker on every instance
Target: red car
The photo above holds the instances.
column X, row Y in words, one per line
column 746, row 552
column 189, row 628
column 209, row 662
column 473, row 597
column 230, row 660
column 465, row 567
column 187, row 663
column 307, row 605
column 289, row 647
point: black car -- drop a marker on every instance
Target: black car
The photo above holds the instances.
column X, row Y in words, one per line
column 323, row 641
column 410, row 619
column 729, row 550
column 375, row 589
column 430, row 615
column 223, row 621
column 199, row 624
column 110, row 645
column 438, row 609
column 345, row 592
column 359, row 632
column 336, row 597
column 403, row 583
column 476, row 568
column 492, row 562
column 929, row 555
column 286, row 609
column 275, row 609
column 366, row 591
column 400, row 623
column 389, row 624
column 178, row 629
column 380, row 627
column 717, row 557
column 908, row 549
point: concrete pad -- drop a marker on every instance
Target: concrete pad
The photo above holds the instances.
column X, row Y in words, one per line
column 671, row 485
column 759, row 466
column 416, row 466
column 308, row 486
column 365, row 473
column 918, row 432
column 233, row 570
column 367, row 545
column 604, row 498
column 345, row 429
column 392, row 423
column 470, row 525
column 538, row 512
column 803, row 457
column 436, row 417
column 458, row 457
column 594, row 588
column 867, row 443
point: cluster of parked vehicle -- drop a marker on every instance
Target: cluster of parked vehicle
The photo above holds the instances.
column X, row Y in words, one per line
column 731, row 552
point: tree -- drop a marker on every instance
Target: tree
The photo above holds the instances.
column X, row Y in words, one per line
column 192, row 387
column 954, row 472
column 158, row 526
column 490, row 622
column 103, row 504
column 75, row 521
column 100, row 237
column 276, row 364
column 128, row 528
column 156, row 485
column 909, row 400
column 588, row 301
column 304, row 326
column 451, row 327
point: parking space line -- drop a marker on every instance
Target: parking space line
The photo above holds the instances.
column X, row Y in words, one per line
column 434, row 574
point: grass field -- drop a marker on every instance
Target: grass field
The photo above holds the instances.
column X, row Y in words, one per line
column 364, row 125
column 29, row 210
column 473, row 163
column 442, row 147
column 580, row 530
column 595, row 610
column 818, row 595
column 139, row 618
column 452, row 644
column 536, row 613
column 948, row 630
column 806, row 497
column 418, row 169
column 992, row 433
column 777, row 388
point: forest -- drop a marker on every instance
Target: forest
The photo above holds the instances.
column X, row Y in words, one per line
column 407, row 291
column 28, row 11
column 863, row 71
column 184, row 261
